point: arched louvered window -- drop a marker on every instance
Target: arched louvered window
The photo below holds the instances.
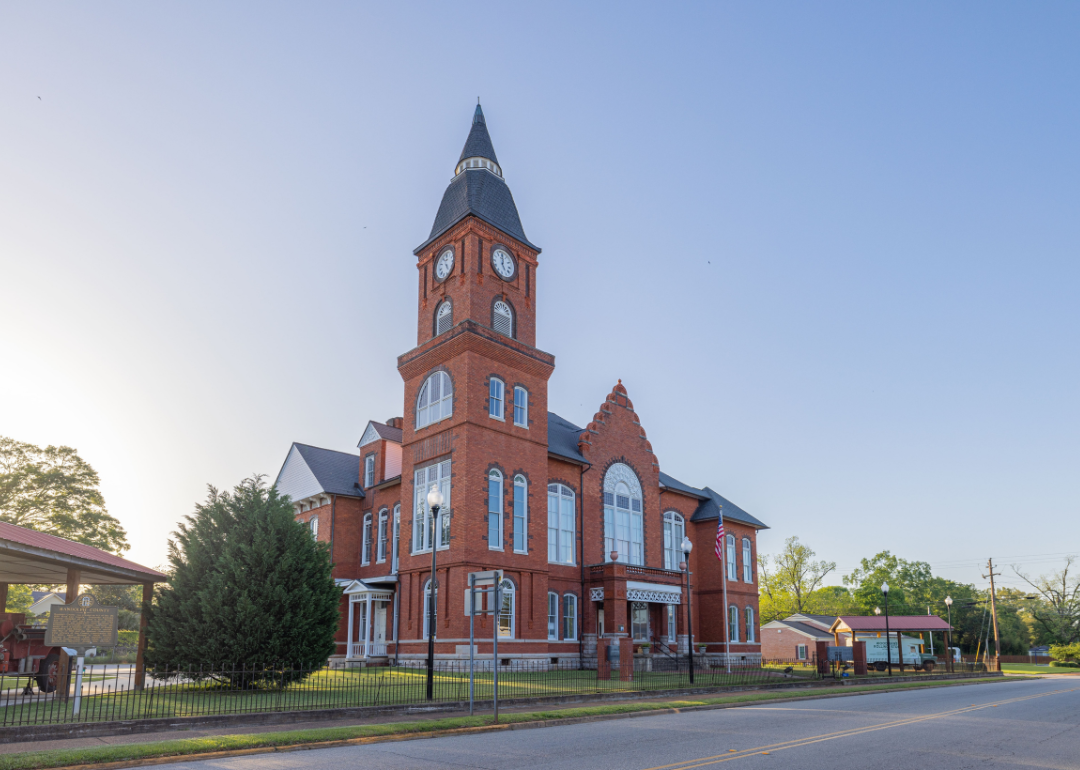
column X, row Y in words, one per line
column 502, row 319
column 436, row 400
column 444, row 318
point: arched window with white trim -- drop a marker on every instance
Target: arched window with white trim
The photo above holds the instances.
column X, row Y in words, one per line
column 435, row 401
column 750, row 624
column 562, row 529
column 495, row 510
column 444, row 317
column 553, row 615
column 502, row 318
column 569, row 617
column 732, row 574
column 733, row 623
column 427, row 607
column 425, row 478
column 521, row 515
column 506, row 611
column 384, row 534
column 314, row 524
column 365, row 556
column 623, row 523
column 747, row 562
column 674, row 530
column 397, row 540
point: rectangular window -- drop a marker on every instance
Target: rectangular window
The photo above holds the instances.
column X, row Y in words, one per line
column 496, row 398
column 731, row 574
column 553, row 616
column 569, row 617
column 495, row 509
column 801, row 652
column 749, row 624
column 397, row 538
column 600, row 619
column 747, row 564
column 733, row 624
column 520, row 515
column 369, row 471
column 521, row 407
column 561, row 524
column 437, row 475
column 672, row 625
column 553, row 524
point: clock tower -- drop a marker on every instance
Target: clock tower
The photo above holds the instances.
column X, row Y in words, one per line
column 476, row 403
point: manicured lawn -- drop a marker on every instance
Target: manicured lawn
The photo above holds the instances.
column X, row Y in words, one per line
column 345, row 688
column 1031, row 668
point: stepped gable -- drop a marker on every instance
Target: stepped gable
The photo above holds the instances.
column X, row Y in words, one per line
column 617, row 420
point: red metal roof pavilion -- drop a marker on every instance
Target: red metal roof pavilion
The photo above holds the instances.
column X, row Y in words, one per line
column 869, row 624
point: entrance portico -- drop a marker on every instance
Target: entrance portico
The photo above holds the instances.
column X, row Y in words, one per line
column 367, row 637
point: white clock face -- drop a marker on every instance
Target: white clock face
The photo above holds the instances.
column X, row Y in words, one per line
column 444, row 265
column 503, row 263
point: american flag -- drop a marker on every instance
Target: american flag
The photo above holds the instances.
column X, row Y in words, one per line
column 720, row 539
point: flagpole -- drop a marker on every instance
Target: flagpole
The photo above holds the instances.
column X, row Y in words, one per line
column 727, row 610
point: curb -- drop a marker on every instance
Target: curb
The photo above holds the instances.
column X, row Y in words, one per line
column 540, row 723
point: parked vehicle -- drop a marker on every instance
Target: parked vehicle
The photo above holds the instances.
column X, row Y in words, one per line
column 23, row 652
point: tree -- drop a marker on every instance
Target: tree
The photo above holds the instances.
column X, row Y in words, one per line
column 1058, row 615
column 250, row 589
column 127, row 598
column 54, row 490
column 788, row 579
column 19, row 599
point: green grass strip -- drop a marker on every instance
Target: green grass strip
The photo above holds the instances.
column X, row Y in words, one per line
column 32, row 760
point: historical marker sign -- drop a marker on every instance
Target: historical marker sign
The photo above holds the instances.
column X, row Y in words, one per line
column 82, row 625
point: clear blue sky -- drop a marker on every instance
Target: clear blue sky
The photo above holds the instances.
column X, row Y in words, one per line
column 830, row 248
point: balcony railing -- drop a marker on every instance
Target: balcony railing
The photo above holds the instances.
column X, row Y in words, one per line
column 375, row 650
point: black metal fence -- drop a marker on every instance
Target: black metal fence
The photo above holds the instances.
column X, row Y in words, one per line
column 108, row 691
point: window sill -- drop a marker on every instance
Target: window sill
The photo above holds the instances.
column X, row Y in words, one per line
column 564, row 563
column 493, row 417
column 519, row 425
column 493, row 548
column 523, row 553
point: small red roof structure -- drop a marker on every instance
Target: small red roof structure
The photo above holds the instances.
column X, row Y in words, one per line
column 27, row 556
column 868, row 624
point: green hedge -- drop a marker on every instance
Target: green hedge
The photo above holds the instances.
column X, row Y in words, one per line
column 127, row 637
column 1064, row 664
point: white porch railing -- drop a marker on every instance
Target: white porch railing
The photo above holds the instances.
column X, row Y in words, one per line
column 375, row 650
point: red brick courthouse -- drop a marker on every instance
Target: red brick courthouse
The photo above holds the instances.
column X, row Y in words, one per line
column 581, row 519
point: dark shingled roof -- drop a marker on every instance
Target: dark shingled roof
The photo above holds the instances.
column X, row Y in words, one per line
column 677, row 486
column 478, row 192
column 563, row 438
column 338, row 473
column 710, row 509
column 808, row 629
column 478, row 145
column 386, row 432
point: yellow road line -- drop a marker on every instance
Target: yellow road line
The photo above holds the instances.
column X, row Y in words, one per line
column 796, row 743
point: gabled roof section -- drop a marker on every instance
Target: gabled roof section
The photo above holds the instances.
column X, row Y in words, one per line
column 309, row 470
column 710, row 509
column 378, row 430
column 563, row 438
column 478, row 145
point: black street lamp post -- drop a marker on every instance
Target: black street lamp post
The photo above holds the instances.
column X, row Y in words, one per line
column 687, row 546
column 435, row 502
column 948, row 643
column 888, row 639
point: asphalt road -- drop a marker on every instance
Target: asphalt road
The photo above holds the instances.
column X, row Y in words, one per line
column 1026, row 725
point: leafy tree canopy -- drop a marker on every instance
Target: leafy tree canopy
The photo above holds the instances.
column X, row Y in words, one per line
column 789, row 579
column 18, row 599
column 1057, row 617
column 54, row 490
column 250, row 588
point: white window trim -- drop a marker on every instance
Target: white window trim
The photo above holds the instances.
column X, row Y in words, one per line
column 446, row 306
column 622, row 477
column 365, row 541
column 525, row 407
column 673, row 520
column 564, row 616
column 519, row 481
column 733, row 627
column 396, row 541
column 729, row 546
column 562, row 492
column 748, row 614
column 501, row 400
column 801, row 652
column 420, row 503
column 508, row 586
column 499, row 499
column 313, row 526
column 447, row 394
column 747, row 570
column 553, row 619
column 382, row 537
column 369, row 471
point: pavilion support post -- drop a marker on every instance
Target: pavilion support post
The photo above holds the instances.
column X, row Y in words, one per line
column 140, row 663
column 63, row 683
column 3, row 598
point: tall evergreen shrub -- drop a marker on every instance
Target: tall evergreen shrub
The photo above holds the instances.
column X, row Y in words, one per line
column 251, row 592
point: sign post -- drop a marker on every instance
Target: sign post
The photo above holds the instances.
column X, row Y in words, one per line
column 80, row 626
column 480, row 584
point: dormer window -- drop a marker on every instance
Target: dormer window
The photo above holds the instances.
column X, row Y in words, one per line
column 369, row 471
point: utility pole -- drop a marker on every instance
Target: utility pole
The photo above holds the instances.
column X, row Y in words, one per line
column 993, row 611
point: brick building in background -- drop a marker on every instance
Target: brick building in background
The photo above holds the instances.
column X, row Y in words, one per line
column 581, row 519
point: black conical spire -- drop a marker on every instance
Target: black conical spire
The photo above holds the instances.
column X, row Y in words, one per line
column 478, row 145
